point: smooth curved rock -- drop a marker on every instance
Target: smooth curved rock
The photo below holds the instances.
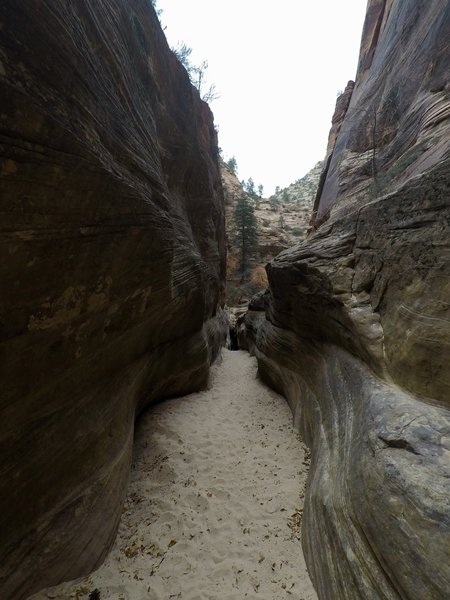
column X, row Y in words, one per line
column 396, row 124
column 112, row 238
column 376, row 522
column 357, row 328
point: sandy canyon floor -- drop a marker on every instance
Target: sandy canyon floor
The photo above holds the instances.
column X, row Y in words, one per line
column 215, row 500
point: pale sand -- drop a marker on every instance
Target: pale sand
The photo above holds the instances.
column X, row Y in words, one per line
column 215, row 500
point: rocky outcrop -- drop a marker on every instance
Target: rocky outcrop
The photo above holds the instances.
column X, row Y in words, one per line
column 357, row 326
column 283, row 220
column 112, row 239
column 396, row 125
column 285, row 215
column 240, row 287
column 342, row 104
column 340, row 112
column 232, row 188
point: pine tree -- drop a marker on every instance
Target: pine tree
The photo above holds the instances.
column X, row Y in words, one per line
column 232, row 164
column 157, row 10
column 245, row 230
column 197, row 74
column 250, row 187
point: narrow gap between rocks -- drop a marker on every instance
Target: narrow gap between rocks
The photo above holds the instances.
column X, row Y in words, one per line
column 215, row 501
column 234, row 342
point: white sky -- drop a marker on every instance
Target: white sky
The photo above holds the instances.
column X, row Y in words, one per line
column 278, row 66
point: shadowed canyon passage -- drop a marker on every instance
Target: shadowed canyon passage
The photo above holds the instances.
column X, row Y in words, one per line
column 215, row 501
column 113, row 240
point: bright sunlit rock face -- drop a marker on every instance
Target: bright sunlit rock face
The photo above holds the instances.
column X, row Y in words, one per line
column 112, row 271
column 357, row 323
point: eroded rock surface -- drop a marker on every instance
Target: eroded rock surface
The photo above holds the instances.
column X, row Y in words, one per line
column 396, row 123
column 357, row 327
column 112, row 238
column 283, row 220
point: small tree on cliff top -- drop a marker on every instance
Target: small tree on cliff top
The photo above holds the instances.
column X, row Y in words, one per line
column 197, row 74
column 245, row 232
column 157, row 10
column 232, row 164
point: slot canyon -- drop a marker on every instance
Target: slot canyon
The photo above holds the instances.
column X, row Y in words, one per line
column 168, row 430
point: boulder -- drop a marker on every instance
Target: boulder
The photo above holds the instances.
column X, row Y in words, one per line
column 258, row 301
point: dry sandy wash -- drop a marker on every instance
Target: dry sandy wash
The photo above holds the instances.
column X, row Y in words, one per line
column 215, row 500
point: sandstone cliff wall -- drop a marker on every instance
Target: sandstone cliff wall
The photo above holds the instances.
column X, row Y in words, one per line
column 357, row 326
column 112, row 271
column 393, row 123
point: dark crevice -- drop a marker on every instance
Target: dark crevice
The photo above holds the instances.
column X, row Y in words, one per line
column 399, row 443
column 234, row 342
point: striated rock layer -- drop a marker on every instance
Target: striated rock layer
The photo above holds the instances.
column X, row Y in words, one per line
column 393, row 123
column 357, row 326
column 112, row 238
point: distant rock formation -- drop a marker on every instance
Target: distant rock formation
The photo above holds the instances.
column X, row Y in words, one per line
column 112, row 271
column 295, row 205
column 283, row 220
column 357, row 324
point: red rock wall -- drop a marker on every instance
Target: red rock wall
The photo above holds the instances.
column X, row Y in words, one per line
column 112, row 238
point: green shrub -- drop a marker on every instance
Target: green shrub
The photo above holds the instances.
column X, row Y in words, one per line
column 297, row 231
